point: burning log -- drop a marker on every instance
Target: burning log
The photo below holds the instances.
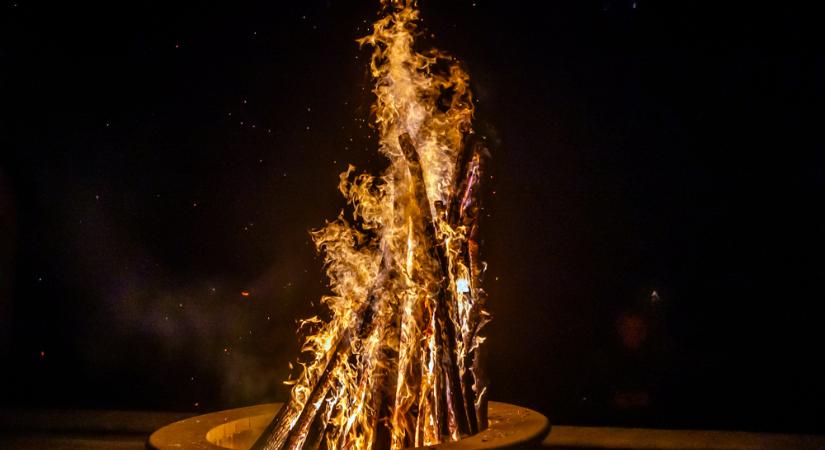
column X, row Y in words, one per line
column 298, row 434
column 321, row 392
column 456, row 404
column 284, row 423
column 465, row 210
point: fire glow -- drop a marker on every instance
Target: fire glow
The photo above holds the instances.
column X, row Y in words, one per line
column 397, row 362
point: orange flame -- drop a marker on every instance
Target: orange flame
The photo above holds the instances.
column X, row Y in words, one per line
column 383, row 262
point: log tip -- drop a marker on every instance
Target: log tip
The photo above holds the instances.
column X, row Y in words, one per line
column 407, row 146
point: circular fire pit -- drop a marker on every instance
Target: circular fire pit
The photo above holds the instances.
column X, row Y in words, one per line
column 510, row 427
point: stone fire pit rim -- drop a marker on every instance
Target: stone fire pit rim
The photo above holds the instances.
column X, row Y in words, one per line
column 511, row 427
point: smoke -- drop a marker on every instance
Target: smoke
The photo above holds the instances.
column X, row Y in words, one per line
column 201, row 338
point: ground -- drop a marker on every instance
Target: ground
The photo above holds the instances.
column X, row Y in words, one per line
column 127, row 430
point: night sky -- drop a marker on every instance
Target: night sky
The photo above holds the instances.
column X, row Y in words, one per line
column 654, row 226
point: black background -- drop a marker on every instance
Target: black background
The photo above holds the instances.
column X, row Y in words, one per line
column 158, row 159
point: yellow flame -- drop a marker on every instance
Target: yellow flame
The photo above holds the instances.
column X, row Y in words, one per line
column 383, row 264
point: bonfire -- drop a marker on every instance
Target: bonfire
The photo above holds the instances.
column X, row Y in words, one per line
column 396, row 361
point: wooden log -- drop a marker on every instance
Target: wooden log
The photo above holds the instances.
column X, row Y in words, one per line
column 459, row 177
column 300, row 430
column 276, row 433
column 279, row 430
column 366, row 396
column 480, row 388
column 437, row 251
column 463, row 211
column 469, row 211
column 317, row 432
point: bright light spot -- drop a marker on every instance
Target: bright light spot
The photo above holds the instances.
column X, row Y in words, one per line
column 462, row 286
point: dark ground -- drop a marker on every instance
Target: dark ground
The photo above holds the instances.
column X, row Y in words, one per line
column 129, row 430
column 158, row 159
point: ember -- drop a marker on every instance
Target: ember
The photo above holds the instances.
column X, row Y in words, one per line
column 397, row 364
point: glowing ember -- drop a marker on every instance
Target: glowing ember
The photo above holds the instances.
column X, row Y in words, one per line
column 397, row 363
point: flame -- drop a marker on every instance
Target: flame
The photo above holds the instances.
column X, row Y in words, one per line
column 405, row 306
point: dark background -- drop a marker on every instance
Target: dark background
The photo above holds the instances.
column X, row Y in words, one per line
column 159, row 159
